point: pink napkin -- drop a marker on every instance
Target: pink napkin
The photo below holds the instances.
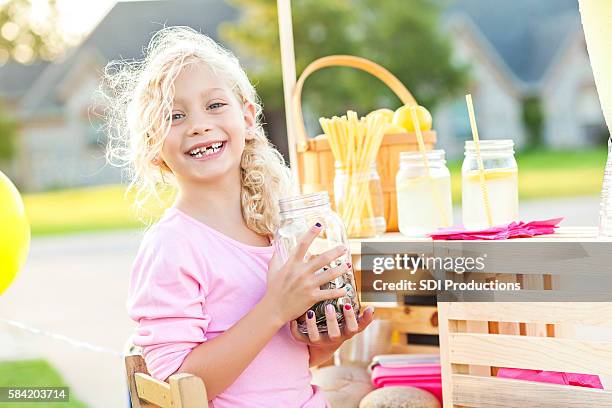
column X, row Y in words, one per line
column 424, row 376
column 553, row 377
column 519, row 229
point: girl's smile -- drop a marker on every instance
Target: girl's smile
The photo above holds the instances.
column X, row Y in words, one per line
column 208, row 150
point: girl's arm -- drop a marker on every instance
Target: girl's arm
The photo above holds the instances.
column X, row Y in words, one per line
column 221, row 360
column 319, row 355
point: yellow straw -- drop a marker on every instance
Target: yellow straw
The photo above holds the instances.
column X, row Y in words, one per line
column 481, row 173
column 436, row 193
column 371, row 139
column 354, row 143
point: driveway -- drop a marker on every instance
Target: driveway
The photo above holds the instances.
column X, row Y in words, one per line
column 74, row 286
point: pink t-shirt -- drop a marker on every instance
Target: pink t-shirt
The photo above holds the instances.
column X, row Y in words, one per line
column 190, row 283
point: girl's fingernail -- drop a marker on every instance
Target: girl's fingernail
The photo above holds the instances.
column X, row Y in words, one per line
column 330, row 308
column 310, row 314
column 349, row 265
column 347, row 307
column 318, row 225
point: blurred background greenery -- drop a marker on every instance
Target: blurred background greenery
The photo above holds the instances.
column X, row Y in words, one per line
column 543, row 174
column 403, row 37
column 34, row 373
column 532, row 84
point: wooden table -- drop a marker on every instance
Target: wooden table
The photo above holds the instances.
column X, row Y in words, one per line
column 563, row 233
column 478, row 338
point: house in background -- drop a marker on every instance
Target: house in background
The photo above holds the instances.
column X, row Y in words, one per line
column 516, row 49
column 15, row 80
column 60, row 143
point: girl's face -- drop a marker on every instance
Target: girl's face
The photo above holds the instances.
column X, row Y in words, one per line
column 208, row 129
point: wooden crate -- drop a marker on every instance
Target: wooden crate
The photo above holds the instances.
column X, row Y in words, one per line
column 316, row 167
column 414, row 321
column 469, row 359
column 410, row 320
column 476, row 339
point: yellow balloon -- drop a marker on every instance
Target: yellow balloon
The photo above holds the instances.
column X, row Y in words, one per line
column 14, row 232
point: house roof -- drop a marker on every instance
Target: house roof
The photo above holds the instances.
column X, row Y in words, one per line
column 16, row 79
column 526, row 34
column 123, row 34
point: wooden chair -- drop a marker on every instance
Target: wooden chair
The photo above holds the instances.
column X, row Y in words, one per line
column 182, row 391
column 470, row 360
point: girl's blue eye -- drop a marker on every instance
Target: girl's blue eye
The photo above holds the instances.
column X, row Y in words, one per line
column 176, row 116
column 216, row 105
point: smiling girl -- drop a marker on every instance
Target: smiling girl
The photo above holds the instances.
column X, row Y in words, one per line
column 208, row 293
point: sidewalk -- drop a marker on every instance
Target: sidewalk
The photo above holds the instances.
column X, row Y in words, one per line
column 75, row 286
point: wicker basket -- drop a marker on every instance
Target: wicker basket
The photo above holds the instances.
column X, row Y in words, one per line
column 315, row 158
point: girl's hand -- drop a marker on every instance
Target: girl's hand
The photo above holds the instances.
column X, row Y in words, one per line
column 334, row 336
column 294, row 287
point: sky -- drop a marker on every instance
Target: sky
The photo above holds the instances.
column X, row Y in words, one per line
column 78, row 17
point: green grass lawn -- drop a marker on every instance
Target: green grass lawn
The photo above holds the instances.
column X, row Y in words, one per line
column 542, row 174
column 34, row 373
column 550, row 174
column 84, row 209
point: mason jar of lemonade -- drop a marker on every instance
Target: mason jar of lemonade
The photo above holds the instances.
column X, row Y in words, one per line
column 423, row 199
column 501, row 178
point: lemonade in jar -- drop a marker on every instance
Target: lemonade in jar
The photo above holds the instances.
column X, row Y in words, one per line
column 423, row 199
column 501, row 178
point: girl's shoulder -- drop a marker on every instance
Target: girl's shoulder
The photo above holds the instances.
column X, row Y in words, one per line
column 171, row 235
column 169, row 247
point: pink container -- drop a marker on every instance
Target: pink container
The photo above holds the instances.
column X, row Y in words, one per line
column 424, row 376
column 553, row 377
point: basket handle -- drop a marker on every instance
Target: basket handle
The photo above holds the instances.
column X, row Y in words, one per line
column 342, row 61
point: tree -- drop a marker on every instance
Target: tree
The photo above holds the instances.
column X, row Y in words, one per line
column 29, row 31
column 8, row 136
column 402, row 36
column 533, row 120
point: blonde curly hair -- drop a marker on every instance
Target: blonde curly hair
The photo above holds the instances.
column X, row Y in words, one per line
column 138, row 100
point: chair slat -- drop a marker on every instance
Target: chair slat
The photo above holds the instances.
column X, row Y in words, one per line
column 188, row 391
column 153, row 390
column 134, row 363
column 183, row 390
